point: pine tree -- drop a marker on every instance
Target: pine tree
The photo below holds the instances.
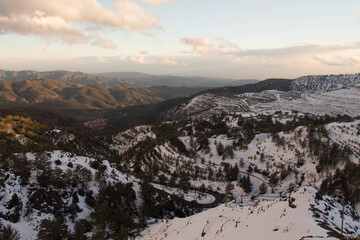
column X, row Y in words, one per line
column 79, row 231
column 99, row 233
column 263, row 188
column 8, row 233
column 220, row 149
column 229, row 187
column 246, row 184
column 53, row 230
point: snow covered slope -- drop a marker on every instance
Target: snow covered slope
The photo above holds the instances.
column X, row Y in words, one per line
column 340, row 101
column 24, row 207
column 325, row 82
column 129, row 138
column 251, row 147
column 346, row 134
column 271, row 220
column 319, row 94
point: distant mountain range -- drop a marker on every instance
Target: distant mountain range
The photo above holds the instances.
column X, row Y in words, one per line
column 310, row 83
column 139, row 79
column 62, row 95
column 64, row 76
column 133, row 79
column 125, row 106
column 314, row 94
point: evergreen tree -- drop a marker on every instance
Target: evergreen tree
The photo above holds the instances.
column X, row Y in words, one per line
column 246, row 184
column 53, row 230
column 79, row 231
column 263, row 188
column 8, row 233
column 232, row 173
column 228, row 153
column 121, row 234
column 229, row 187
column 203, row 142
column 99, row 233
column 184, row 181
column 220, row 149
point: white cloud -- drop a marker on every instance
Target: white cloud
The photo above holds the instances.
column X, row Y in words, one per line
column 130, row 16
column 305, row 55
column 40, row 24
column 167, row 61
column 338, row 60
column 102, row 60
column 98, row 40
column 156, row 2
column 309, row 49
column 243, row 59
column 316, row 52
column 206, row 46
column 56, row 19
column 142, row 60
column 223, row 43
column 200, row 45
column 308, row 55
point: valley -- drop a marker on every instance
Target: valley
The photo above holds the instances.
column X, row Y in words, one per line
column 179, row 120
column 279, row 155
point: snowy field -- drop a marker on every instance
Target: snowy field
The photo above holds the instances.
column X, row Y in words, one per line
column 339, row 101
column 342, row 101
column 266, row 220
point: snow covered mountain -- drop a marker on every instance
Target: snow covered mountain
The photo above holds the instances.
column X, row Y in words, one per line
column 25, row 206
column 223, row 166
column 307, row 218
column 281, row 161
column 318, row 95
column 325, row 82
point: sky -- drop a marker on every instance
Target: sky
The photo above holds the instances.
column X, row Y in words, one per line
column 238, row 39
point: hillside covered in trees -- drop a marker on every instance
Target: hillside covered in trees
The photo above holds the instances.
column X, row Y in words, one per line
column 247, row 154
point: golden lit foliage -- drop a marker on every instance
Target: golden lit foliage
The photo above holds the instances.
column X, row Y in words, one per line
column 19, row 125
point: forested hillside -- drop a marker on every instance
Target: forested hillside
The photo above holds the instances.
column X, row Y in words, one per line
column 215, row 166
column 60, row 95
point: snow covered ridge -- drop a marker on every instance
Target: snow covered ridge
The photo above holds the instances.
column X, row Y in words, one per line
column 25, row 206
column 340, row 101
column 325, row 82
column 318, row 95
column 272, row 220
column 129, row 138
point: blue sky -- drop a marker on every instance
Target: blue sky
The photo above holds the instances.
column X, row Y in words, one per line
column 216, row 38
